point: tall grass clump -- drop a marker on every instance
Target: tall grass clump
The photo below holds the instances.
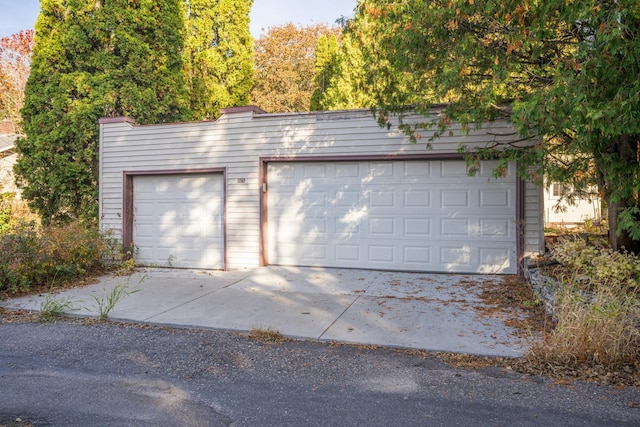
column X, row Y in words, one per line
column 597, row 308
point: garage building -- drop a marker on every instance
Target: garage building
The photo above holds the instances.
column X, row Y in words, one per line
column 330, row 189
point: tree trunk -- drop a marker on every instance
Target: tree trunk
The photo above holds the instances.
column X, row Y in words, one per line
column 622, row 241
column 626, row 150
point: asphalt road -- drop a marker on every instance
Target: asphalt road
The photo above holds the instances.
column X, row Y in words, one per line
column 104, row 374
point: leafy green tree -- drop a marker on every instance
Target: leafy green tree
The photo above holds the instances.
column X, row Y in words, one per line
column 325, row 71
column 218, row 55
column 93, row 59
column 340, row 82
column 284, row 63
column 565, row 72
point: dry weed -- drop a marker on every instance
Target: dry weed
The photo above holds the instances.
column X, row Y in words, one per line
column 600, row 328
column 597, row 311
column 266, row 336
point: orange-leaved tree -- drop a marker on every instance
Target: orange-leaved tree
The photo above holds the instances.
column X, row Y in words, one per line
column 284, row 61
column 15, row 64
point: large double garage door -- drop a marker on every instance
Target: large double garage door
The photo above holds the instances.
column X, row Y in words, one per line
column 412, row 215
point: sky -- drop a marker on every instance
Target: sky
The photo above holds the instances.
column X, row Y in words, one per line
column 19, row 15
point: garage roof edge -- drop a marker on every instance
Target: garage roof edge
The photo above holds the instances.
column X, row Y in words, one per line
column 244, row 109
column 113, row 120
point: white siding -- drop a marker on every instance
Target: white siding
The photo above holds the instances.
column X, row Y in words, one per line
column 569, row 214
column 7, row 180
column 533, row 226
column 236, row 141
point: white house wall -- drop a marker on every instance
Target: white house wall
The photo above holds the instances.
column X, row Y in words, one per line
column 239, row 138
column 7, row 180
column 569, row 214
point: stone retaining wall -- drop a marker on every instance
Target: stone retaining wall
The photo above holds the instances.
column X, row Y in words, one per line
column 543, row 286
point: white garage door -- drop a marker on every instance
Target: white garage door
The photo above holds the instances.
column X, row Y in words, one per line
column 178, row 220
column 398, row 215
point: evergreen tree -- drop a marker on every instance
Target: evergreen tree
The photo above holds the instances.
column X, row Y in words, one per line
column 218, row 55
column 325, row 70
column 339, row 76
column 93, row 59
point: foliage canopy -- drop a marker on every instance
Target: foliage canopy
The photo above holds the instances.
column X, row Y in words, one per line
column 15, row 63
column 96, row 59
column 284, row 63
column 566, row 72
column 339, row 75
column 218, row 55
column 93, row 60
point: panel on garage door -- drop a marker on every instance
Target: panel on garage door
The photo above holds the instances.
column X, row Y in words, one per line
column 400, row 215
column 178, row 220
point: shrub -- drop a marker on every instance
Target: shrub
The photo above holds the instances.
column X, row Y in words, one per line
column 598, row 267
column 14, row 214
column 598, row 309
column 34, row 257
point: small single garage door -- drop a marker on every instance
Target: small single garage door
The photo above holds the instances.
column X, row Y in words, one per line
column 399, row 215
column 178, row 220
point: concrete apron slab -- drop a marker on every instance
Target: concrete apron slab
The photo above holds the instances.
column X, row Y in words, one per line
column 151, row 291
column 436, row 312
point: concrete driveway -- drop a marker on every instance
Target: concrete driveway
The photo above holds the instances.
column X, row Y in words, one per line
column 436, row 312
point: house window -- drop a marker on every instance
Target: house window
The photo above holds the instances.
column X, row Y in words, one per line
column 558, row 189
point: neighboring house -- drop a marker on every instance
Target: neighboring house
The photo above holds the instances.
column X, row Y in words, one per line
column 565, row 214
column 8, row 158
column 329, row 189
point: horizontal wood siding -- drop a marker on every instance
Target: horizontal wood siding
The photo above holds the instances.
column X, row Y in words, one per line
column 237, row 141
column 533, row 213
